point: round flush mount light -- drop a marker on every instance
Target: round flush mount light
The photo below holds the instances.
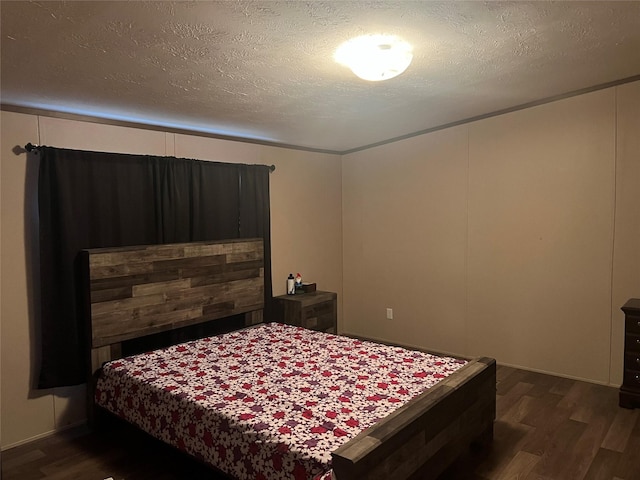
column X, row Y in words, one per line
column 375, row 57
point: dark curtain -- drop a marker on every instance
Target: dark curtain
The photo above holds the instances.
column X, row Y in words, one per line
column 255, row 219
column 95, row 199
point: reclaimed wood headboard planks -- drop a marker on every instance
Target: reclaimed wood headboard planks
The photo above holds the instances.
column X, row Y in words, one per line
column 137, row 291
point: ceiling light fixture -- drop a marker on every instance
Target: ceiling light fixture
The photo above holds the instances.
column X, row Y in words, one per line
column 375, row 57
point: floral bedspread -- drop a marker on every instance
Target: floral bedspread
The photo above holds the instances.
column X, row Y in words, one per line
column 269, row 402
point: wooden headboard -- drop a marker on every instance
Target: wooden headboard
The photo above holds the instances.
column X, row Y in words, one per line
column 137, row 291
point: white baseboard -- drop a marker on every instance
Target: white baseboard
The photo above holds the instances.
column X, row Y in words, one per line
column 50, row 433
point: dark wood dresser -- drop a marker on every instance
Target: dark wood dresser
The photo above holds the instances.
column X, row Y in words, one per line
column 315, row 310
column 630, row 389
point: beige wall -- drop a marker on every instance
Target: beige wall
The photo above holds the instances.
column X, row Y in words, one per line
column 404, row 225
column 516, row 237
column 25, row 413
column 541, row 198
column 626, row 252
column 306, row 237
column 497, row 237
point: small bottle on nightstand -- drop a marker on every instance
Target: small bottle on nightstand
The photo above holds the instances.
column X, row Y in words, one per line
column 291, row 285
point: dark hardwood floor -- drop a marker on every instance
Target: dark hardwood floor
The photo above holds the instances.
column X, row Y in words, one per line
column 547, row 428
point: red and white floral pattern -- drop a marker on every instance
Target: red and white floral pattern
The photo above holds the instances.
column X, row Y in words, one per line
column 269, row 402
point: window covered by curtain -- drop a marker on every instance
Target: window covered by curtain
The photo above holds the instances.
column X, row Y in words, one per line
column 95, row 199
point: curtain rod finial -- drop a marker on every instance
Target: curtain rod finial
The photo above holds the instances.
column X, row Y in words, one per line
column 272, row 168
column 30, row 147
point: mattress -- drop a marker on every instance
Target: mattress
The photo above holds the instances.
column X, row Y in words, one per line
column 269, row 402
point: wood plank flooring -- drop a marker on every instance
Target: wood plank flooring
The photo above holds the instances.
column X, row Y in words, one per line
column 547, row 428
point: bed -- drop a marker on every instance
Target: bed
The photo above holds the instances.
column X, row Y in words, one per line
column 137, row 291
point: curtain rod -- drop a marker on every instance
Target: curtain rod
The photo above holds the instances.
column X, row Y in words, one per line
column 30, row 147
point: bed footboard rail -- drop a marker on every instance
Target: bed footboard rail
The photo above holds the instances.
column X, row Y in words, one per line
column 422, row 438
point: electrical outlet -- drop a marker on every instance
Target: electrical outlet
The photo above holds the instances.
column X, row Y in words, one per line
column 389, row 313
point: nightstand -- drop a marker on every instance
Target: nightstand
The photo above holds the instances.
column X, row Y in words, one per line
column 630, row 389
column 315, row 310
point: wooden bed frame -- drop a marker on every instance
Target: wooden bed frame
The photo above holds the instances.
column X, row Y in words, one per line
column 132, row 292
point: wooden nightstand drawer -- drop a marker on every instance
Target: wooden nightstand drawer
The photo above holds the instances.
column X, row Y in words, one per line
column 323, row 323
column 631, row 379
column 632, row 361
column 318, row 310
column 631, row 343
column 320, row 316
column 632, row 324
column 314, row 310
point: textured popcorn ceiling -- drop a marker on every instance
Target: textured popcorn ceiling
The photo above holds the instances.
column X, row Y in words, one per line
column 264, row 69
